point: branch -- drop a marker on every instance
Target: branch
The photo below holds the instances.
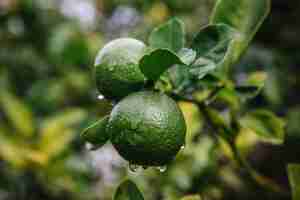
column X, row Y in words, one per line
column 251, row 174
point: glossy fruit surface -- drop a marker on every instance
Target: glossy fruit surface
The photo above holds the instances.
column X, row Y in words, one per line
column 117, row 70
column 147, row 128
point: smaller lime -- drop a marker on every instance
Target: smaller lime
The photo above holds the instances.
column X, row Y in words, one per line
column 117, row 68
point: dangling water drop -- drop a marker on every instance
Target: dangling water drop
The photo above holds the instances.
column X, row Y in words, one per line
column 133, row 168
column 162, row 168
column 113, row 102
column 89, row 146
column 182, row 147
column 100, row 97
column 111, row 69
column 207, row 102
column 145, row 167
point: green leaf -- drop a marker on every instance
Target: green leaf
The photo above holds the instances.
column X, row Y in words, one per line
column 245, row 16
column 229, row 97
column 292, row 136
column 265, row 124
column 153, row 65
column 211, row 45
column 18, row 113
column 187, row 56
column 168, row 36
column 192, row 197
column 127, row 190
column 96, row 134
column 212, row 41
column 212, row 81
column 202, row 67
column 294, row 178
column 180, row 78
column 222, row 124
column 257, row 78
column 247, row 91
column 253, row 85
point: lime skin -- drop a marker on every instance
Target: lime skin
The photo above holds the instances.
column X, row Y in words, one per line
column 117, row 71
column 147, row 128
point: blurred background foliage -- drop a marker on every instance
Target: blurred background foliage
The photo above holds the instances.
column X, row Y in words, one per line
column 47, row 95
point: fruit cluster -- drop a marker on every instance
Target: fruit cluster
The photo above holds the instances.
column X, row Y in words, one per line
column 146, row 127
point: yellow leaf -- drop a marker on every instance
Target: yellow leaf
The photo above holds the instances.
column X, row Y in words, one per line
column 12, row 152
column 192, row 197
column 58, row 131
column 193, row 119
column 55, row 139
column 158, row 13
column 66, row 118
column 18, row 113
column 225, row 148
column 246, row 140
column 37, row 157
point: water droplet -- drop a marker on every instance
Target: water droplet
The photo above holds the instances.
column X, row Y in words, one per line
column 162, row 168
column 89, row 146
column 100, row 97
column 113, row 102
column 182, row 147
column 207, row 102
column 145, row 167
column 134, row 126
column 133, row 167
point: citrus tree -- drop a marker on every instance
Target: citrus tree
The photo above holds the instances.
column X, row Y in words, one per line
column 144, row 81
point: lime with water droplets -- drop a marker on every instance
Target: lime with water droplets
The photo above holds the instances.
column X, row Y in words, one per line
column 117, row 70
column 147, row 128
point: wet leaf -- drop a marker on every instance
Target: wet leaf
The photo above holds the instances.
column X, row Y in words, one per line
column 169, row 36
column 153, row 65
column 245, row 16
column 212, row 41
column 202, row 67
column 187, row 56
column 211, row 44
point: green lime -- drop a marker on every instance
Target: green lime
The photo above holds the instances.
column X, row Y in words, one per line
column 117, row 69
column 147, row 128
